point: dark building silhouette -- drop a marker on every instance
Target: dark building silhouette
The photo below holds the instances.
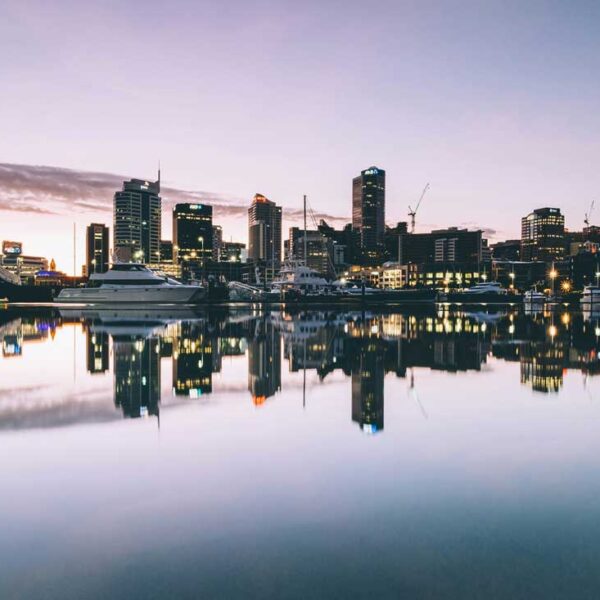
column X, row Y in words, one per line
column 166, row 251
column 137, row 221
column 217, row 242
column 508, row 250
column 368, row 212
column 543, row 235
column 319, row 249
column 96, row 244
column 450, row 245
column 392, row 240
column 192, row 235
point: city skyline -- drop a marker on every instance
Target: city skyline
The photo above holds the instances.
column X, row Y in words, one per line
column 439, row 101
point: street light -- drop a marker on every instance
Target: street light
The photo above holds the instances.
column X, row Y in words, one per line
column 553, row 275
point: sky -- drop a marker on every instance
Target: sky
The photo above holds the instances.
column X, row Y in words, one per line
column 495, row 104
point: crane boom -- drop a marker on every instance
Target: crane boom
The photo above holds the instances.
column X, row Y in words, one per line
column 413, row 213
column 588, row 214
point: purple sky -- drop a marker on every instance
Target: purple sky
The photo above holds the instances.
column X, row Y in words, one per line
column 494, row 103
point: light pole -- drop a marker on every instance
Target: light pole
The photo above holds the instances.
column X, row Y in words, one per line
column 553, row 274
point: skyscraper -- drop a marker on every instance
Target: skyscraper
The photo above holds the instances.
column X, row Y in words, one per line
column 192, row 234
column 217, row 242
column 368, row 212
column 264, row 231
column 96, row 248
column 543, row 235
column 137, row 221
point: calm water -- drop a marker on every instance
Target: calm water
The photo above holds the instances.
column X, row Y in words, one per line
column 309, row 455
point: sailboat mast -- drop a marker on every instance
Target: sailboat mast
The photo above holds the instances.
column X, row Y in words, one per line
column 304, row 237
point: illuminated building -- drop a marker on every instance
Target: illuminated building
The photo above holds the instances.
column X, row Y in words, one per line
column 264, row 233
column 368, row 212
column 192, row 236
column 543, row 235
column 166, row 251
column 452, row 245
column 217, row 242
column 96, row 249
column 233, row 252
column 137, row 221
column 318, row 250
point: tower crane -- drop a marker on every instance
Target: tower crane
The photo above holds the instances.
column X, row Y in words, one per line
column 588, row 214
column 413, row 213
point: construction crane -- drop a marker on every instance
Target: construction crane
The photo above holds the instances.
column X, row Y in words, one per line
column 588, row 214
column 413, row 213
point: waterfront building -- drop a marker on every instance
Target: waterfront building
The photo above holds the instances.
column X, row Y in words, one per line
column 166, row 251
column 452, row 245
column 319, row 250
column 264, row 231
column 192, row 236
column 392, row 240
column 97, row 251
column 233, row 252
column 217, row 242
column 368, row 212
column 543, row 235
column 20, row 265
column 508, row 250
column 137, row 221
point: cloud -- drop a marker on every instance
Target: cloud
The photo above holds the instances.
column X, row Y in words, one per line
column 58, row 191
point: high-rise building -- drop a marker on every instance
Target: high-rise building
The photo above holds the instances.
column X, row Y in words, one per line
column 217, row 242
column 166, row 251
column 264, row 231
column 543, row 235
column 368, row 212
column 319, row 249
column 137, row 221
column 192, row 233
column 96, row 248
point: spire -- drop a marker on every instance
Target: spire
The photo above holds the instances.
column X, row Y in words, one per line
column 158, row 181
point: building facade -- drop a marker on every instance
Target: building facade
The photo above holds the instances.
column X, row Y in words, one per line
column 192, row 234
column 137, row 221
column 368, row 212
column 264, row 231
column 97, row 251
column 451, row 245
column 543, row 235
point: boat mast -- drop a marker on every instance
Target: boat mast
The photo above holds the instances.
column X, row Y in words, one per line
column 305, row 257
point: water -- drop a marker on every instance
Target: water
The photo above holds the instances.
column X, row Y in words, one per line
column 425, row 454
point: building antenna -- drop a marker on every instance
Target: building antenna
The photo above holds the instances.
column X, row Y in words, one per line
column 159, row 174
column 74, row 250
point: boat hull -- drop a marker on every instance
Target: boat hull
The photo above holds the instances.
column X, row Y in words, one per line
column 133, row 295
column 27, row 293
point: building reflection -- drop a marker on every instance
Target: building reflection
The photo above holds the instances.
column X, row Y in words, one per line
column 364, row 347
column 137, row 375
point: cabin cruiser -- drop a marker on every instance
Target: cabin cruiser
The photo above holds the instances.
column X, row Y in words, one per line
column 534, row 297
column 491, row 287
column 300, row 280
column 134, row 283
column 590, row 296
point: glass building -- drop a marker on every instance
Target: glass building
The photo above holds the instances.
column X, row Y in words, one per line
column 96, row 248
column 264, row 231
column 192, row 234
column 543, row 235
column 368, row 212
column 137, row 221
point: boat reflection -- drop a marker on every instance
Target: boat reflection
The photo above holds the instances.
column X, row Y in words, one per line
column 362, row 346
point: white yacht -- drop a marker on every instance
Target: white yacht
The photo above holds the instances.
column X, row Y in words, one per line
column 295, row 277
column 490, row 287
column 591, row 296
column 133, row 283
column 534, row 297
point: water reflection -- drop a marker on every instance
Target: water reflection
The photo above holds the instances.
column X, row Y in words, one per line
column 363, row 347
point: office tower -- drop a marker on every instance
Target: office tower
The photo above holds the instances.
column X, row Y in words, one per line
column 96, row 248
column 543, row 235
column 192, row 233
column 233, row 252
column 137, row 221
column 264, row 231
column 166, row 251
column 217, row 242
column 368, row 212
